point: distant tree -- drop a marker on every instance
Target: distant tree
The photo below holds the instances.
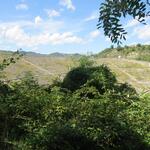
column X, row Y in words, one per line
column 84, row 61
column 119, row 48
column 111, row 12
column 126, row 47
column 138, row 45
column 112, row 46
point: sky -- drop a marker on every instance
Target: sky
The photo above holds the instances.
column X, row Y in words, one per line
column 65, row 26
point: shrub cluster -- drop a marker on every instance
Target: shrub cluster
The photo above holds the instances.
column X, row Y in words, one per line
column 88, row 110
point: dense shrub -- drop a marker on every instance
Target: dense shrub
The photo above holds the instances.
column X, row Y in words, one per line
column 88, row 110
column 100, row 77
column 76, row 78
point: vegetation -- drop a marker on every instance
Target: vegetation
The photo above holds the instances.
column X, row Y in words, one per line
column 6, row 62
column 97, row 113
column 139, row 52
column 89, row 109
column 46, row 69
column 111, row 12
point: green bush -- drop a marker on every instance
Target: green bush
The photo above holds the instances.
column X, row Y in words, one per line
column 88, row 110
column 100, row 77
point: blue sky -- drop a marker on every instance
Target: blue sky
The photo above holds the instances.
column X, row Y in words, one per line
column 67, row 26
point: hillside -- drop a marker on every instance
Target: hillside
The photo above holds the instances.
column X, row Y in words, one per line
column 44, row 67
column 47, row 67
column 138, row 52
column 134, row 72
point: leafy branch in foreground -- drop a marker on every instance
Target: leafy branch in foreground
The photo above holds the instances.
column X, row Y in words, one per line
column 6, row 62
column 111, row 12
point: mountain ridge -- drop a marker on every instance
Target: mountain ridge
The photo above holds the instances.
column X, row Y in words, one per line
column 30, row 53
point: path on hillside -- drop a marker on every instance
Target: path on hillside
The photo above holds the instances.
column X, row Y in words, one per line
column 144, row 63
column 136, row 73
column 112, row 64
column 132, row 69
column 133, row 78
column 38, row 67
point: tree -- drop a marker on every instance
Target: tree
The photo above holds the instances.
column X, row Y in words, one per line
column 111, row 12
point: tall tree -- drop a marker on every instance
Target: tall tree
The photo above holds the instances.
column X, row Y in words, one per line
column 111, row 11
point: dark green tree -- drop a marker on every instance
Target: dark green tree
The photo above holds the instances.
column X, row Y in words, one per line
column 111, row 11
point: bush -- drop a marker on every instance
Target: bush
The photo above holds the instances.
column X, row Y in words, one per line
column 93, row 112
column 100, row 78
column 94, row 76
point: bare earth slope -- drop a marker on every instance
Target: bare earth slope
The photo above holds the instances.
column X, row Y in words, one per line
column 46, row 68
column 137, row 73
column 43, row 68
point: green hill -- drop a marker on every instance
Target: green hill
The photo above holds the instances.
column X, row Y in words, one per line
column 138, row 52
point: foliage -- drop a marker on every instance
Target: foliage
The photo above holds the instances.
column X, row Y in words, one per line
column 85, row 61
column 99, row 113
column 111, row 12
column 78, row 76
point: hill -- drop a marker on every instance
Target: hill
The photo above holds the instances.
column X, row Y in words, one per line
column 45, row 68
column 138, row 52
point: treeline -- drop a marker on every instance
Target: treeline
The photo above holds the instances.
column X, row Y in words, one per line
column 88, row 110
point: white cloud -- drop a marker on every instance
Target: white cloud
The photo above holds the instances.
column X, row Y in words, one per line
column 107, row 39
column 46, row 26
column 93, row 16
column 132, row 23
column 66, row 37
column 142, row 32
column 38, row 20
column 94, row 34
column 147, row 43
column 68, row 4
column 22, row 6
column 17, row 35
column 52, row 13
column 135, row 22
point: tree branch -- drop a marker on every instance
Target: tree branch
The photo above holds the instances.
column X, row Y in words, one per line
column 148, row 2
